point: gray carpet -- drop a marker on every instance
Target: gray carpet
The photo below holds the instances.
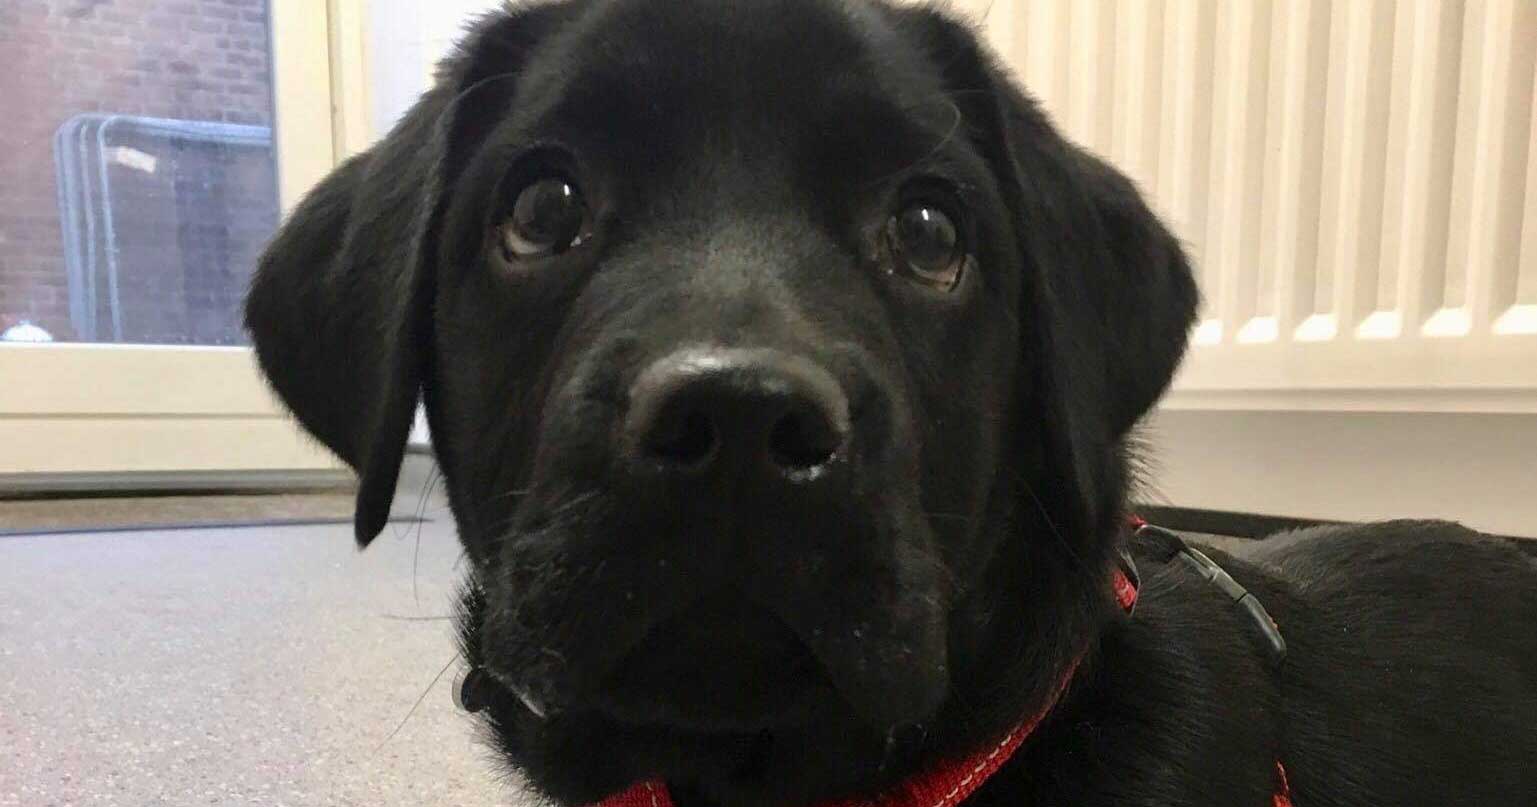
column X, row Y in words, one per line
column 264, row 666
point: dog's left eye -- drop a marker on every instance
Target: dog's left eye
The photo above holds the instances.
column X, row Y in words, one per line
column 548, row 217
column 925, row 246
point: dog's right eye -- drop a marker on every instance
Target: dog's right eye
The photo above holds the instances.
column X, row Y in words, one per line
column 547, row 218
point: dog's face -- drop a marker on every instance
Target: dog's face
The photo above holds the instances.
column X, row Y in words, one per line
column 778, row 357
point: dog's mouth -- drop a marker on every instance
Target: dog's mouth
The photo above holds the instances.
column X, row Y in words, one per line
column 722, row 664
column 668, row 658
column 767, row 624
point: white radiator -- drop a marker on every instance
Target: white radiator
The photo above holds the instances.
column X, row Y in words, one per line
column 1356, row 181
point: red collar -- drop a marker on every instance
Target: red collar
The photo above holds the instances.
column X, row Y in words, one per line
column 952, row 781
column 946, row 785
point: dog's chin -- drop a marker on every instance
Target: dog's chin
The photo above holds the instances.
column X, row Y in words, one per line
column 722, row 698
column 722, row 665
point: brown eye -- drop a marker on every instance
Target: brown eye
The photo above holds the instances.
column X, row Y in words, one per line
column 548, row 218
column 926, row 246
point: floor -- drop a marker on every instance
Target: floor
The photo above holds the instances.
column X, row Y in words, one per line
column 37, row 514
column 259, row 666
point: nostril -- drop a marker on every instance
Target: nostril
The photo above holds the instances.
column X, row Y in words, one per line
column 734, row 413
column 685, row 440
column 801, row 441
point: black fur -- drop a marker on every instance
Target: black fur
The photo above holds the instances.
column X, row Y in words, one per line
column 780, row 646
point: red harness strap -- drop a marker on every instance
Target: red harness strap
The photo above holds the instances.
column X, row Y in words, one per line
column 1283, row 794
column 952, row 781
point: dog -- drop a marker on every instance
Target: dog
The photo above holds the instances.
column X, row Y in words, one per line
column 783, row 364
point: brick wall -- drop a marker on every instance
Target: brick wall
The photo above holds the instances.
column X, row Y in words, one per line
column 189, row 234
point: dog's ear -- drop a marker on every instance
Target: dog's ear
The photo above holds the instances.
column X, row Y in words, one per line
column 1119, row 300
column 340, row 308
column 1109, row 296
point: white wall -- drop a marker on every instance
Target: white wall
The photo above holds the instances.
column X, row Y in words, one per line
column 405, row 40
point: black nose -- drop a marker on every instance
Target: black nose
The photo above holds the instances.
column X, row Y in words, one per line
column 713, row 410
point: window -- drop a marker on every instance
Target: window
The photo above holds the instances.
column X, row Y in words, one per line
column 138, row 169
column 147, row 151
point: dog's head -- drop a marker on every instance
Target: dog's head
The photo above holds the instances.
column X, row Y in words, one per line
column 779, row 358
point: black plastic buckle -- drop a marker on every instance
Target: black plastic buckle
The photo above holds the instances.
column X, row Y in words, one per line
column 1171, row 545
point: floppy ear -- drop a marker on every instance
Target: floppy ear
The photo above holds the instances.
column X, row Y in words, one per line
column 1108, row 291
column 1119, row 299
column 340, row 309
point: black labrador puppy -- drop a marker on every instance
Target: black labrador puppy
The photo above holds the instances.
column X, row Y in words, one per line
column 780, row 358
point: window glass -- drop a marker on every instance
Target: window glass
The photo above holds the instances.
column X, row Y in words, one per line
column 137, row 173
